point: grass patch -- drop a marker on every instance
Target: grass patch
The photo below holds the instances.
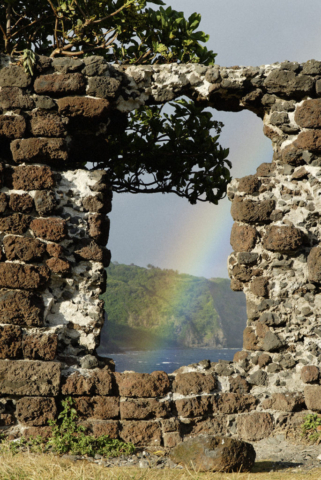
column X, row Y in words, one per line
column 48, row 467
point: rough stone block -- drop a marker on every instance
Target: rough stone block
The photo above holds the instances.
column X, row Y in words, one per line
column 27, row 277
column 40, row 346
column 54, row 250
column 285, row 402
column 32, row 177
column 59, row 266
column 287, row 82
column 308, row 115
column 143, row 385
column 43, row 124
column 3, row 202
column 97, row 204
column 170, row 424
column 53, row 229
column 100, row 408
column 103, row 87
column 97, row 382
column 259, row 286
column 31, row 378
column 194, row 407
column 16, row 224
column 249, row 211
column 84, row 107
column 21, row 203
column 14, row 76
column 314, row 264
column 21, row 308
column 143, row 409
column 312, row 395
column 238, row 384
column 216, row 425
column 293, row 155
column 141, row 433
column 42, row 150
column 10, row 341
column 283, row 239
column 12, row 98
column 310, row 374
column 95, row 253
column 255, row 426
column 172, row 439
column 57, row 85
column 249, row 184
column 266, row 170
column 194, row 383
column 243, row 238
column 36, row 411
column 24, row 249
column 45, row 202
column 309, row 140
column 12, row 126
column 110, row 428
column 229, row 403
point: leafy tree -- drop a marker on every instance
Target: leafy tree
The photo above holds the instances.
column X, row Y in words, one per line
column 157, row 152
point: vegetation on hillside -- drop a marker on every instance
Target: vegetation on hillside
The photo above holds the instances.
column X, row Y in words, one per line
column 155, row 308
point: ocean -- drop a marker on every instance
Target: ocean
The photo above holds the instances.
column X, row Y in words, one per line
column 166, row 360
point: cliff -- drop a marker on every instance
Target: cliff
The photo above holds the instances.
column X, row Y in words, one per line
column 155, row 308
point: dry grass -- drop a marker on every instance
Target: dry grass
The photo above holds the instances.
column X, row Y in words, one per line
column 24, row 466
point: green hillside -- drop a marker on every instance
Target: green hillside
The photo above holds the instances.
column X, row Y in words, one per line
column 149, row 308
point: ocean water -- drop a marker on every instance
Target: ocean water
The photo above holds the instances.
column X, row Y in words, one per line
column 166, row 360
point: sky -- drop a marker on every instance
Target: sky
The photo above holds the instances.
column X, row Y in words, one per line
column 167, row 231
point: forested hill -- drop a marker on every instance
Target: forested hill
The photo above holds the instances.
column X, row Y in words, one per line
column 149, row 308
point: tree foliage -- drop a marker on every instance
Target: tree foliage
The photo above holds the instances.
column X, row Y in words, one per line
column 157, row 152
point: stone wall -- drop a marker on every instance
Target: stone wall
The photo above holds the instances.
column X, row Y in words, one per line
column 53, row 232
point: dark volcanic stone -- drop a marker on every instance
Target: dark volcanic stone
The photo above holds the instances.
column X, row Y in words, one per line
column 45, row 124
column 16, row 224
column 214, row 454
column 57, row 85
column 24, row 249
column 53, row 229
column 243, row 238
column 141, row 385
column 12, row 126
column 31, row 177
column 15, row 98
column 103, row 87
column 21, row 308
column 32, row 378
column 21, row 203
column 193, row 383
column 45, row 150
column 36, row 410
column 314, row 264
column 255, row 426
column 308, row 115
column 40, row 347
column 14, row 76
column 28, row 277
column 283, row 239
column 288, row 83
column 45, row 202
column 10, row 341
column 249, row 211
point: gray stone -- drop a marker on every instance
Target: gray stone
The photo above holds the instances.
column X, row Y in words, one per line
column 287, row 82
column 67, row 65
column 274, row 368
column 271, row 342
column 214, row 454
column 247, row 258
column 271, row 319
column 258, row 378
column 213, row 75
column 103, row 87
column 14, row 76
column 279, row 118
column 89, row 362
column 43, row 102
column 311, row 67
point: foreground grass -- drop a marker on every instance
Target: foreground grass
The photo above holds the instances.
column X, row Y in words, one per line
column 23, row 466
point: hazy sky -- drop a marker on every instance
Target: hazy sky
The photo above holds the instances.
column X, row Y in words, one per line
column 167, row 231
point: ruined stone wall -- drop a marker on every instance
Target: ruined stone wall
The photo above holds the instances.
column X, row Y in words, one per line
column 53, row 232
